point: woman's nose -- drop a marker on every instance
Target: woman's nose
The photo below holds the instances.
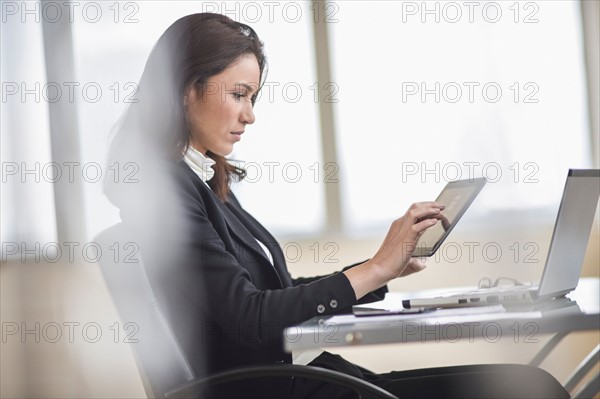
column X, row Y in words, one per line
column 247, row 115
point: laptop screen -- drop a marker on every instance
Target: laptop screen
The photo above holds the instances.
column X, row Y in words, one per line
column 571, row 232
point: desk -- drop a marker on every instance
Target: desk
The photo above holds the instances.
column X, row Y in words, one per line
column 579, row 311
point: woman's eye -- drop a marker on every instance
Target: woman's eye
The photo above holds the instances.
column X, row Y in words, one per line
column 239, row 96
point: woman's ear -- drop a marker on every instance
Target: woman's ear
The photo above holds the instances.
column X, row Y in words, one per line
column 189, row 95
column 186, row 97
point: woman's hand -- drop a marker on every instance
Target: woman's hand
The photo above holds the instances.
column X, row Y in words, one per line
column 398, row 246
column 414, row 265
column 395, row 253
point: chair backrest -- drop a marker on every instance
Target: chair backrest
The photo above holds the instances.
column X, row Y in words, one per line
column 159, row 358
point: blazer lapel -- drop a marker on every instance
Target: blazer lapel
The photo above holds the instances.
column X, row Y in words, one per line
column 239, row 226
column 256, row 229
column 238, row 229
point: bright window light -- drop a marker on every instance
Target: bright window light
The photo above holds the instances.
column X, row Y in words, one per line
column 437, row 91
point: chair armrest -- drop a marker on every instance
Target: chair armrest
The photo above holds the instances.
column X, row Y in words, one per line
column 195, row 388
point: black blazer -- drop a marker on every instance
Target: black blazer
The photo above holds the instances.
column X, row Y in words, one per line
column 227, row 304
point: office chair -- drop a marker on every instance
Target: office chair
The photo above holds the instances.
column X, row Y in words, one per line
column 576, row 384
column 162, row 365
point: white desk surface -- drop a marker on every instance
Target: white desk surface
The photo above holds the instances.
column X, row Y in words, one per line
column 579, row 311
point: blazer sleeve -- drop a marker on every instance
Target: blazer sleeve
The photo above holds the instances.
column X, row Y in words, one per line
column 228, row 294
column 373, row 296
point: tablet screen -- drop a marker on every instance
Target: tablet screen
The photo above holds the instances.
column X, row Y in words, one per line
column 457, row 196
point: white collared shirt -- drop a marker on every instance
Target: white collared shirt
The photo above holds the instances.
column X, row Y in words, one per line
column 199, row 163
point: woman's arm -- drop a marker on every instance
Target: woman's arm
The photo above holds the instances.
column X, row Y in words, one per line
column 394, row 257
column 306, row 280
column 373, row 296
column 395, row 254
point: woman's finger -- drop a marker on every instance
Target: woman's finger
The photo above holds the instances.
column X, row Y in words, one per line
column 423, row 225
column 417, row 213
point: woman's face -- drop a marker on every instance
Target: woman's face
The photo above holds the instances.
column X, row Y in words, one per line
column 219, row 114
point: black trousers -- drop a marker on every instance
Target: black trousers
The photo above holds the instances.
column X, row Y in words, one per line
column 474, row 381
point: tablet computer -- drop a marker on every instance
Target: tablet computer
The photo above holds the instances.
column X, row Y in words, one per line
column 457, row 196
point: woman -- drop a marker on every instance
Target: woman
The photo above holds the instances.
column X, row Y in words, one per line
column 224, row 285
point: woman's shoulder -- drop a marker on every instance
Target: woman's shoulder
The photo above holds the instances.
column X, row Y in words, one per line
column 192, row 191
column 185, row 178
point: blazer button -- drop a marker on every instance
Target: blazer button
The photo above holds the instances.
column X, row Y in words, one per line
column 321, row 309
column 333, row 303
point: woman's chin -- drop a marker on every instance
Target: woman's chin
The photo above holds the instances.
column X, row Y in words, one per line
column 224, row 151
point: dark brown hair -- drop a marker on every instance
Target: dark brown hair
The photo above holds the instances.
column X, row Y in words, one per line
column 193, row 49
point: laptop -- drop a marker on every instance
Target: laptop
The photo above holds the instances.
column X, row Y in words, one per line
column 565, row 255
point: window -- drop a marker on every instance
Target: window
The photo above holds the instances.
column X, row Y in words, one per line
column 27, row 211
column 436, row 91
